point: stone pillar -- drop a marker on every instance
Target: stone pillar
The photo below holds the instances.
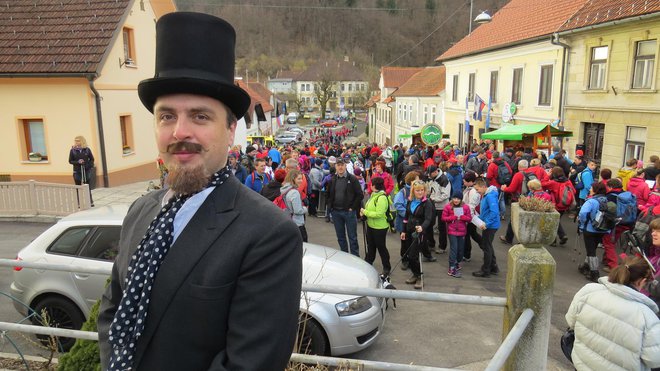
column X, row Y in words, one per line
column 529, row 284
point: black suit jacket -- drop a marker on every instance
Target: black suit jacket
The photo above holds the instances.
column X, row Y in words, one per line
column 226, row 297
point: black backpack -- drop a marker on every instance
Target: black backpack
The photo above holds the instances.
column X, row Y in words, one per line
column 605, row 219
column 503, row 174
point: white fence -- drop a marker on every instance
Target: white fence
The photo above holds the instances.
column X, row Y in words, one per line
column 37, row 198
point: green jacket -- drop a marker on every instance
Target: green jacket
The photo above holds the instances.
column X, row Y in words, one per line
column 375, row 210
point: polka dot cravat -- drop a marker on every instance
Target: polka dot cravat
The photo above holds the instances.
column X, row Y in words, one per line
column 130, row 318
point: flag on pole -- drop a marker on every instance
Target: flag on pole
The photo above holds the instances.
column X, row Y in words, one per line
column 467, row 117
column 479, row 105
column 488, row 113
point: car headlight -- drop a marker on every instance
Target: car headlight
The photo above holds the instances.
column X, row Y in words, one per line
column 353, row 306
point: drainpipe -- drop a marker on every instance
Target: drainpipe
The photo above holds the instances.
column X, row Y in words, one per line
column 99, row 124
column 564, row 74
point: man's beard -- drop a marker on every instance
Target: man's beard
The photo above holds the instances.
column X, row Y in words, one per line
column 186, row 179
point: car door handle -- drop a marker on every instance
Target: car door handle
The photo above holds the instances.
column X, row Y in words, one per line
column 81, row 276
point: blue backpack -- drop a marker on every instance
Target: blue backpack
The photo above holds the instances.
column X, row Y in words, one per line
column 626, row 208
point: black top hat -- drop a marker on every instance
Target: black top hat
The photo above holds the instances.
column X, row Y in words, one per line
column 194, row 55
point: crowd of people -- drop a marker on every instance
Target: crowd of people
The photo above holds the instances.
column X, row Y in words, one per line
column 444, row 198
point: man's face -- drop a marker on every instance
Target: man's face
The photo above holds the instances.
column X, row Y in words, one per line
column 295, row 154
column 341, row 168
column 260, row 167
column 232, row 161
column 434, row 174
column 481, row 190
column 193, row 138
column 592, row 166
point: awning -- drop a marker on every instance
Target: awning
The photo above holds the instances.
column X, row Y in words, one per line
column 409, row 135
column 516, row 132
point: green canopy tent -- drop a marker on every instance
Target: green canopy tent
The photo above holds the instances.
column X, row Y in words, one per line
column 537, row 136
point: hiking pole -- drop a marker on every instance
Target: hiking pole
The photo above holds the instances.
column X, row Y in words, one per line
column 82, row 174
column 421, row 269
column 364, row 237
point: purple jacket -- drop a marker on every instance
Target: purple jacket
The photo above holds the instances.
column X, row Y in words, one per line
column 456, row 226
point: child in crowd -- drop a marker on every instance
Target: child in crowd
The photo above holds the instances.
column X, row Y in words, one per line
column 535, row 190
column 456, row 215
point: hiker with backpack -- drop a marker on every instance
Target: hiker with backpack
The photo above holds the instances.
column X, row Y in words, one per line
column 375, row 210
column 563, row 193
column 627, row 172
column 594, row 219
column 454, row 174
column 489, row 214
column 626, row 214
column 472, row 198
column 293, row 201
column 400, row 203
column 583, row 182
column 499, row 173
column 272, row 189
column 258, row 178
column 439, row 192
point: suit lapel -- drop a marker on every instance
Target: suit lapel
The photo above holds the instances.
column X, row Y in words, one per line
column 209, row 222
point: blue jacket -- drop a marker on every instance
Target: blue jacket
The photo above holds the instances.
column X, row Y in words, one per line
column 255, row 183
column 588, row 213
column 490, row 209
column 400, row 202
column 275, row 155
column 241, row 173
column 587, row 179
column 455, row 176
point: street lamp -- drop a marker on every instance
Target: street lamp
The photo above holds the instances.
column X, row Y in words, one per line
column 481, row 18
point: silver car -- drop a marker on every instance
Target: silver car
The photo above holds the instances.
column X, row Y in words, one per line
column 335, row 324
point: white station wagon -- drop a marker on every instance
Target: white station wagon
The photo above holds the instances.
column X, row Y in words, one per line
column 336, row 325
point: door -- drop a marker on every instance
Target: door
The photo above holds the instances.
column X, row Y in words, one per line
column 593, row 140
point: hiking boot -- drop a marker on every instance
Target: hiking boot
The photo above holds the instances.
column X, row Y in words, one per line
column 481, row 274
column 503, row 239
column 563, row 240
column 495, row 270
column 593, row 276
column 583, row 268
column 404, row 265
column 430, row 259
column 412, row 280
column 418, row 284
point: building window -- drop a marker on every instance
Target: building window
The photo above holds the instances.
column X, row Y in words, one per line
column 129, row 47
column 545, row 86
column 410, row 118
column 644, row 64
column 350, row 87
column 433, row 114
column 454, row 89
column 494, row 75
column 342, row 87
column 316, row 101
column 34, row 139
column 362, row 87
column 126, row 126
column 426, row 114
column 471, row 80
column 597, row 67
column 350, row 100
column 635, row 139
column 516, row 87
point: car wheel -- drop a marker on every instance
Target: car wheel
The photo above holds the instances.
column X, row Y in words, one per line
column 61, row 313
column 311, row 337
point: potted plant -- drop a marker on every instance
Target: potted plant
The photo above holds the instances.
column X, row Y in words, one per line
column 34, row 156
column 534, row 221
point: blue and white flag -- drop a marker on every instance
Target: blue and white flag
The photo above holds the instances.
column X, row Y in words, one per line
column 467, row 116
column 479, row 105
column 488, row 114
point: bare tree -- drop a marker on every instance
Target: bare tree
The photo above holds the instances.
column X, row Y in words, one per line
column 323, row 90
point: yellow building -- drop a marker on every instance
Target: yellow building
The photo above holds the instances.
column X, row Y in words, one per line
column 511, row 62
column 612, row 100
column 74, row 71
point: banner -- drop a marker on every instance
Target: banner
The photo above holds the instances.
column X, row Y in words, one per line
column 467, row 117
column 488, row 114
column 479, row 105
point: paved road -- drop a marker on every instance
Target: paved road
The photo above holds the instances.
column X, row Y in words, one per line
column 438, row 334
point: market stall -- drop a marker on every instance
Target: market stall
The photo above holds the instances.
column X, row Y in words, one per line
column 535, row 136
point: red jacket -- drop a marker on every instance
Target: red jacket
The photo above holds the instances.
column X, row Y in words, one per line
column 456, row 226
column 553, row 187
column 640, row 189
column 541, row 175
column 544, row 196
column 429, row 161
column 375, row 151
column 491, row 173
column 387, row 180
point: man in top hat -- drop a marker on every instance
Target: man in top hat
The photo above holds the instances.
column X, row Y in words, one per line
column 192, row 288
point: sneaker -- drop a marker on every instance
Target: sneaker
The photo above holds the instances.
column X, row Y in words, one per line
column 481, row 274
column 451, row 271
column 458, row 267
column 583, row 268
column 412, row 280
column 418, row 284
column 457, row 274
column 404, row 265
column 430, row 259
column 443, row 251
column 503, row 239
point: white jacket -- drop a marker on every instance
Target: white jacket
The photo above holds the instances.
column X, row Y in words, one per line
column 616, row 328
column 437, row 193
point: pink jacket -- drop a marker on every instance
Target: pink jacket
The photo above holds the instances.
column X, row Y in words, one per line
column 640, row 189
column 456, row 226
column 544, row 196
column 387, row 180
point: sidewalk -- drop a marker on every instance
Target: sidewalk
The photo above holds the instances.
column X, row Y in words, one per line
column 124, row 194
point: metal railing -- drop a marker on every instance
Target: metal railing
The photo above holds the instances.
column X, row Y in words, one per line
column 496, row 363
column 38, row 198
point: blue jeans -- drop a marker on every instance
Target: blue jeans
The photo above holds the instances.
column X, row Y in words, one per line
column 346, row 222
column 456, row 246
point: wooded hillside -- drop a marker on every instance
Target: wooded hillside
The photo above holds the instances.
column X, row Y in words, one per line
column 277, row 35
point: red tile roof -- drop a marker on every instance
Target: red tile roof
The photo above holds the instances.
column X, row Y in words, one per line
column 389, row 99
column 601, row 11
column 54, row 36
column 394, row 77
column 255, row 98
column 260, row 89
column 517, row 21
column 428, row 82
column 372, row 101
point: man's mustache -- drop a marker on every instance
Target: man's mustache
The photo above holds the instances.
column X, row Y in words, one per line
column 185, row 147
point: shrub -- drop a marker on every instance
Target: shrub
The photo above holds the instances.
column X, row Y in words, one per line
column 84, row 355
column 536, row 204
